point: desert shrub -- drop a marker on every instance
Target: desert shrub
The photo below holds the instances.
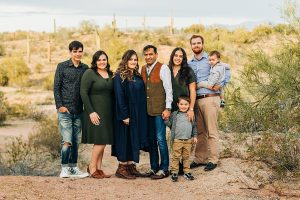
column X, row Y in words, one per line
column 87, row 27
column 280, row 151
column 48, row 82
column 24, row 111
column 262, row 31
column 284, row 29
column 2, row 50
column 3, row 108
column 241, row 36
column 13, row 71
column 22, row 158
column 162, row 39
column 195, row 29
column 46, row 137
column 115, row 49
column 271, row 93
column 30, row 157
column 38, row 68
column 20, row 35
column 63, row 34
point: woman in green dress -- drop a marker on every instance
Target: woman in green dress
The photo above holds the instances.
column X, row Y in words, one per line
column 183, row 80
column 97, row 96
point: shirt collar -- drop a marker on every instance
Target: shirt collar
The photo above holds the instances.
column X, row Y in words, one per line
column 153, row 64
column 71, row 64
column 204, row 55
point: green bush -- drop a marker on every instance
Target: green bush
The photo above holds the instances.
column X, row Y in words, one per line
column 46, row 137
column 280, row 151
column 13, row 71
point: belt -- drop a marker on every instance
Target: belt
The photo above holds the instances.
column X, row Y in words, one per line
column 207, row 95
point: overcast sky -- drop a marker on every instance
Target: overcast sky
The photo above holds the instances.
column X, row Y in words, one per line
column 39, row 14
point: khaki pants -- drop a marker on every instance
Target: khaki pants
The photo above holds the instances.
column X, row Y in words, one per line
column 207, row 148
column 182, row 149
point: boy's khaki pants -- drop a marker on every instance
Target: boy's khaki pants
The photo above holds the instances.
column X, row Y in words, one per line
column 181, row 148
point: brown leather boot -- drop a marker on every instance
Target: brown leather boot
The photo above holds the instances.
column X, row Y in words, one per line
column 133, row 170
column 123, row 172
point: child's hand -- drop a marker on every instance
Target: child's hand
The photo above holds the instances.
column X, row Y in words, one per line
column 210, row 87
column 195, row 140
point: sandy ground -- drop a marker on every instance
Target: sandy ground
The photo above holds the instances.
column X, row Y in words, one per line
column 225, row 182
column 232, row 179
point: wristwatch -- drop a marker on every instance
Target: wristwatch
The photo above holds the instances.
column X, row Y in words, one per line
column 168, row 109
column 191, row 109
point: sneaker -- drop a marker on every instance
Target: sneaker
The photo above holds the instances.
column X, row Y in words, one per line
column 76, row 173
column 174, row 177
column 222, row 103
column 210, row 166
column 188, row 176
column 65, row 172
column 160, row 175
column 195, row 165
column 149, row 173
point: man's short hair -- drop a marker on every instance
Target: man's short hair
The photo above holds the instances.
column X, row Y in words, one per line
column 150, row 47
column 197, row 36
column 75, row 45
column 216, row 53
column 183, row 97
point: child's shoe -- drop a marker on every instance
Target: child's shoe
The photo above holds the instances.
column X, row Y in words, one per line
column 174, row 177
column 222, row 104
column 188, row 176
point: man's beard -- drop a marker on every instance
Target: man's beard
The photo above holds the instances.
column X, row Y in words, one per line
column 198, row 51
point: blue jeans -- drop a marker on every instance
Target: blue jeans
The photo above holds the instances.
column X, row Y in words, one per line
column 157, row 136
column 70, row 129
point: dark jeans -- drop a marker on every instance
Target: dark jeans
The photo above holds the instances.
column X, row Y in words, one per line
column 70, row 129
column 157, row 137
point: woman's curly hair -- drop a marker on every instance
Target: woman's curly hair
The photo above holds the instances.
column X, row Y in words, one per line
column 123, row 69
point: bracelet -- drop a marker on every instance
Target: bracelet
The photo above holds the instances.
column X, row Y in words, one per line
column 192, row 109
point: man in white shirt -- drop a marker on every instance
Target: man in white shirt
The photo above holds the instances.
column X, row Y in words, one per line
column 157, row 79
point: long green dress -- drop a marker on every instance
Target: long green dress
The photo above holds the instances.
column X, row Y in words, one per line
column 97, row 96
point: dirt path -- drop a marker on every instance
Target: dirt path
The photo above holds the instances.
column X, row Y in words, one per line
column 226, row 182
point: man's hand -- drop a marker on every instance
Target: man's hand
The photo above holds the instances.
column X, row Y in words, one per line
column 126, row 121
column 166, row 114
column 63, row 110
column 95, row 119
column 216, row 87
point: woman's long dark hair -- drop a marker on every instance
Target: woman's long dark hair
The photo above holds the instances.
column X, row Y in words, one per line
column 123, row 70
column 184, row 72
column 94, row 62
